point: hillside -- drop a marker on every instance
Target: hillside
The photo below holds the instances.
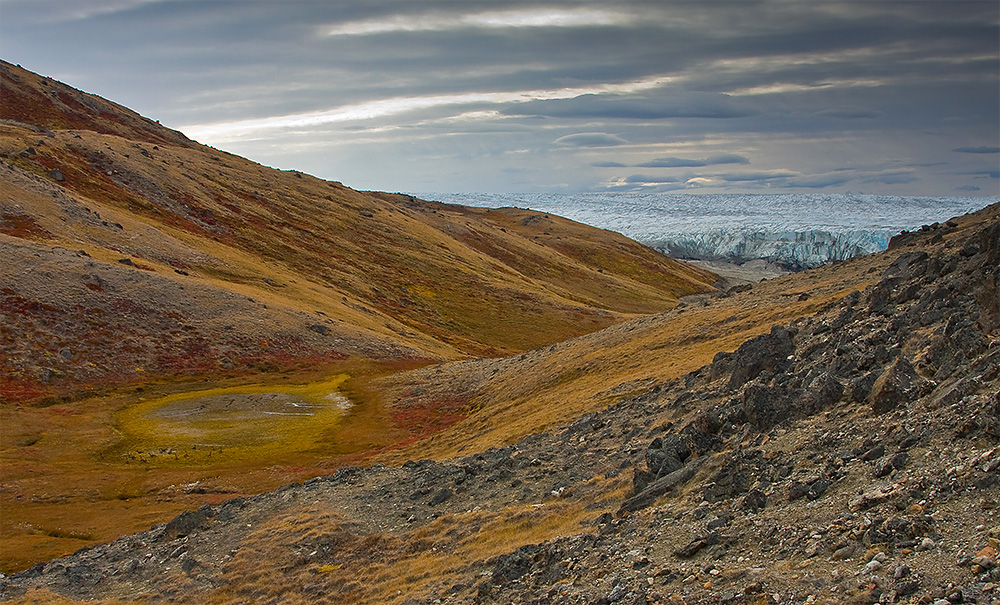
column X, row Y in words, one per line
column 138, row 263
column 848, row 455
column 91, row 185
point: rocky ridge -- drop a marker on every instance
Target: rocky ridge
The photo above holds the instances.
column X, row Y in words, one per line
column 851, row 456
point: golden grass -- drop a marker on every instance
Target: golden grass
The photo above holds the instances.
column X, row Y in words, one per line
column 383, row 568
column 41, row 596
column 554, row 386
column 66, row 485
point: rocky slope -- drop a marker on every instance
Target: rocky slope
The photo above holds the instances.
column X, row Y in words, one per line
column 848, row 456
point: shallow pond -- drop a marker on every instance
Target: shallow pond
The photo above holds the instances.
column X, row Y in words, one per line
column 234, row 423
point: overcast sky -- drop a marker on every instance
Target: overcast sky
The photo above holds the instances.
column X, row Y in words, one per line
column 708, row 96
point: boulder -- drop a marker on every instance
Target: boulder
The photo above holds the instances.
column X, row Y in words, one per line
column 765, row 406
column 767, row 352
column 897, row 384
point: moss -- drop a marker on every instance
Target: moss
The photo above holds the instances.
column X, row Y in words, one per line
column 231, row 424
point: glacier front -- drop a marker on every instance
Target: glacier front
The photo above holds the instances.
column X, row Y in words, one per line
column 797, row 231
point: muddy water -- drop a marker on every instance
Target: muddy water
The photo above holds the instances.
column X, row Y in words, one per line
column 232, row 424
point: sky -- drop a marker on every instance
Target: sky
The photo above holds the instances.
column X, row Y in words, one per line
column 757, row 96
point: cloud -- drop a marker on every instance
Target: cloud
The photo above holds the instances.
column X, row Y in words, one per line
column 607, row 165
column 982, row 149
column 646, row 179
column 850, row 113
column 967, row 188
column 726, row 158
column 448, row 96
column 80, row 10
column 747, row 177
column 893, row 178
column 444, row 21
column 819, row 181
column 993, row 174
column 590, row 139
column 383, row 107
column 652, row 107
column 671, row 162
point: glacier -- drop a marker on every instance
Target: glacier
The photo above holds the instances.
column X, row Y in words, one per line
column 796, row 231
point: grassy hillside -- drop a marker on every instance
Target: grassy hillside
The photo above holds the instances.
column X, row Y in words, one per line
column 391, row 275
column 141, row 264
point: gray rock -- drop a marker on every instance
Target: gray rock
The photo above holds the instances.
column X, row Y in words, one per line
column 767, row 352
column 887, row 466
column 896, row 385
column 319, row 329
column 442, row 495
column 765, row 406
column 185, row 524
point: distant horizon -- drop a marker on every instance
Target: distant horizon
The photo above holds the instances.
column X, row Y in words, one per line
column 971, row 196
column 892, row 98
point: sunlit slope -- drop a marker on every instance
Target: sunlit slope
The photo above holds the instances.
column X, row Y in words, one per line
column 551, row 386
column 334, row 272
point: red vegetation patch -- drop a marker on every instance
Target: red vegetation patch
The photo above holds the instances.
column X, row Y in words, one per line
column 423, row 419
column 19, row 391
column 23, row 226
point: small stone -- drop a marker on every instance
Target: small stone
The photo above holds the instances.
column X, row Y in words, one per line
column 842, row 554
column 873, row 566
column 925, row 544
column 905, row 589
column 901, row 572
column 319, row 329
column 874, row 453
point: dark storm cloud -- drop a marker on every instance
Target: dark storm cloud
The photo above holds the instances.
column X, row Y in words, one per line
column 377, row 93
